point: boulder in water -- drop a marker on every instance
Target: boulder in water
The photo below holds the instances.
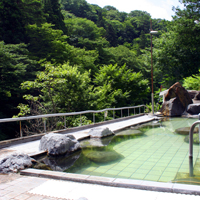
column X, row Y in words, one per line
column 185, row 130
column 56, row 144
column 131, row 132
column 100, row 132
column 193, row 109
column 103, row 156
column 176, row 101
column 173, row 107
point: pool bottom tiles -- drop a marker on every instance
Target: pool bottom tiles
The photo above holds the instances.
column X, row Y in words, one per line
column 159, row 155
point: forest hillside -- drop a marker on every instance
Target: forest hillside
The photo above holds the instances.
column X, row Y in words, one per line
column 68, row 55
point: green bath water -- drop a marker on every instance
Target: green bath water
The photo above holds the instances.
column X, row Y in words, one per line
column 155, row 152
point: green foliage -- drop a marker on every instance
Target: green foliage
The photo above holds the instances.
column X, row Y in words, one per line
column 122, row 55
column 192, row 82
column 24, row 110
column 12, row 22
column 47, row 43
column 80, row 8
column 157, row 104
column 84, row 33
column 78, row 121
column 33, row 12
column 61, row 89
column 54, row 14
column 177, row 51
column 118, row 86
column 15, row 67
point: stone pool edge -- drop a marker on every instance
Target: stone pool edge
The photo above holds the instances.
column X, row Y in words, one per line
column 115, row 182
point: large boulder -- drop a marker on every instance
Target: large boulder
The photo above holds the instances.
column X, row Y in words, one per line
column 176, row 101
column 130, row 132
column 177, row 90
column 103, row 156
column 173, row 107
column 96, row 142
column 56, row 144
column 192, row 93
column 193, row 109
column 14, row 163
column 197, row 96
column 186, row 130
column 100, row 132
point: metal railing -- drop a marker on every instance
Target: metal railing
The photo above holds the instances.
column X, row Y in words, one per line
column 191, row 145
column 20, row 119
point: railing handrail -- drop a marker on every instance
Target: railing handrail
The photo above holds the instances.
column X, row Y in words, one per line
column 191, row 138
column 64, row 114
column 20, row 119
column 191, row 146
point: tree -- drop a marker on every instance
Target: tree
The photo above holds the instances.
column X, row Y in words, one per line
column 84, row 33
column 80, row 8
column 47, row 43
column 111, row 34
column 15, row 67
column 32, row 12
column 130, row 32
column 61, row 88
column 192, row 82
column 119, row 86
column 138, row 13
column 177, row 51
column 108, row 8
column 55, row 16
column 12, row 26
column 16, row 15
column 122, row 55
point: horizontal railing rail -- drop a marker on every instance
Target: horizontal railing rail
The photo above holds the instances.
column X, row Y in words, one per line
column 71, row 114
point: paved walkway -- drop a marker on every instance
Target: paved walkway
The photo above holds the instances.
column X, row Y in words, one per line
column 34, row 188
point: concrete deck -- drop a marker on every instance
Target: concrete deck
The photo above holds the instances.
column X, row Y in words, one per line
column 34, row 188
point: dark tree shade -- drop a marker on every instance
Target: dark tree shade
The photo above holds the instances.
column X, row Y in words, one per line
column 52, row 8
column 11, row 22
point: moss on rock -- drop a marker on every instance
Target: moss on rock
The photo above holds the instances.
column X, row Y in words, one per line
column 103, row 156
column 129, row 132
column 185, row 130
